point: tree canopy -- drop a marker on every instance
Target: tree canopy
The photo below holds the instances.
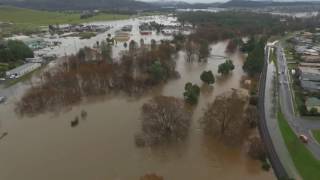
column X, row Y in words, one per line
column 158, row 71
column 255, row 60
column 192, row 93
column 207, row 77
column 14, row 50
column 163, row 119
column 225, row 117
column 226, row 67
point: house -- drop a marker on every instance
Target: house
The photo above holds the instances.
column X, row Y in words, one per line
column 311, row 59
column 311, row 52
column 310, row 86
column 313, row 102
column 310, row 81
column 305, row 64
column 127, row 28
column 22, row 70
column 309, row 70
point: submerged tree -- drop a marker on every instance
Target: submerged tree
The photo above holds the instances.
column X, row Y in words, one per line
column 226, row 67
column 204, row 50
column 153, row 44
column 158, row 71
column 141, row 42
column 106, row 51
column 133, row 46
column 151, row 177
column 225, row 117
column 256, row 149
column 207, row 77
column 192, row 93
column 163, row 119
column 190, row 50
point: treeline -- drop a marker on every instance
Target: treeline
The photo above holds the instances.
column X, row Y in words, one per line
column 12, row 54
column 14, row 50
column 263, row 4
column 93, row 73
column 79, row 4
column 230, row 24
column 255, row 61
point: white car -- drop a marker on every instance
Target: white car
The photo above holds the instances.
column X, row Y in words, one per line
column 2, row 99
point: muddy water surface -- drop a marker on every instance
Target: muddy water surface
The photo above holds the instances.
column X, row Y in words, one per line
column 102, row 146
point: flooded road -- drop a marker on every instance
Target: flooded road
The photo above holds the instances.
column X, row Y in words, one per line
column 102, row 146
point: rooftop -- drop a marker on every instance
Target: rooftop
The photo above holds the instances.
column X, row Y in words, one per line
column 310, row 86
column 313, row 101
column 309, row 70
column 306, row 64
column 310, row 76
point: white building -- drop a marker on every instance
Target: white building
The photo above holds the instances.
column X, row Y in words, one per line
column 34, row 60
column 22, row 70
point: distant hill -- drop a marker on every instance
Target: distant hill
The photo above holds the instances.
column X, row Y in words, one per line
column 263, row 3
column 183, row 5
column 79, row 4
column 133, row 5
column 105, row 4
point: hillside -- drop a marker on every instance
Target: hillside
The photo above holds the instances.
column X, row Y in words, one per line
column 36, row 17
column 264, row 3
column 78, row 4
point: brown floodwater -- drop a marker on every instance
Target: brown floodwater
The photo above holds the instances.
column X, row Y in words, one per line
column 102, row 146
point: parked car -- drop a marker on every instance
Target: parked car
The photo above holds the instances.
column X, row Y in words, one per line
column 2, row 99
column 303, row 138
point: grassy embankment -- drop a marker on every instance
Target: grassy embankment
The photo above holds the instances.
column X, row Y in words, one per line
column 316, row 135
column 307, row 165
column 28, row 21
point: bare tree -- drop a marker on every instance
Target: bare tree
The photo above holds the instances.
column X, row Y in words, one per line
column 225, row 117
column 252, row 116
column 190, row 50
column 151, row 177
column 163, row 119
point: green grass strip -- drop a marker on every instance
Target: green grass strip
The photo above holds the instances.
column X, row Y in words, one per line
column 307, row 165
column 316, row 135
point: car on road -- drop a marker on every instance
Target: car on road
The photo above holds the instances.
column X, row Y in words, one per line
column 2, row 99
column 303, row 138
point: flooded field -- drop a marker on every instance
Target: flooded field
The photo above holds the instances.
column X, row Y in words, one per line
column 102, row 146
column 71, row 45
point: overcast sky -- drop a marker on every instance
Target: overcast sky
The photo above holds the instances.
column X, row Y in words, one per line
column 191, row 1
column 210, row 1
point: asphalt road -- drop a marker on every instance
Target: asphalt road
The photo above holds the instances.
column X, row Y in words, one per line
column 300, row 125
column 276, row 163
